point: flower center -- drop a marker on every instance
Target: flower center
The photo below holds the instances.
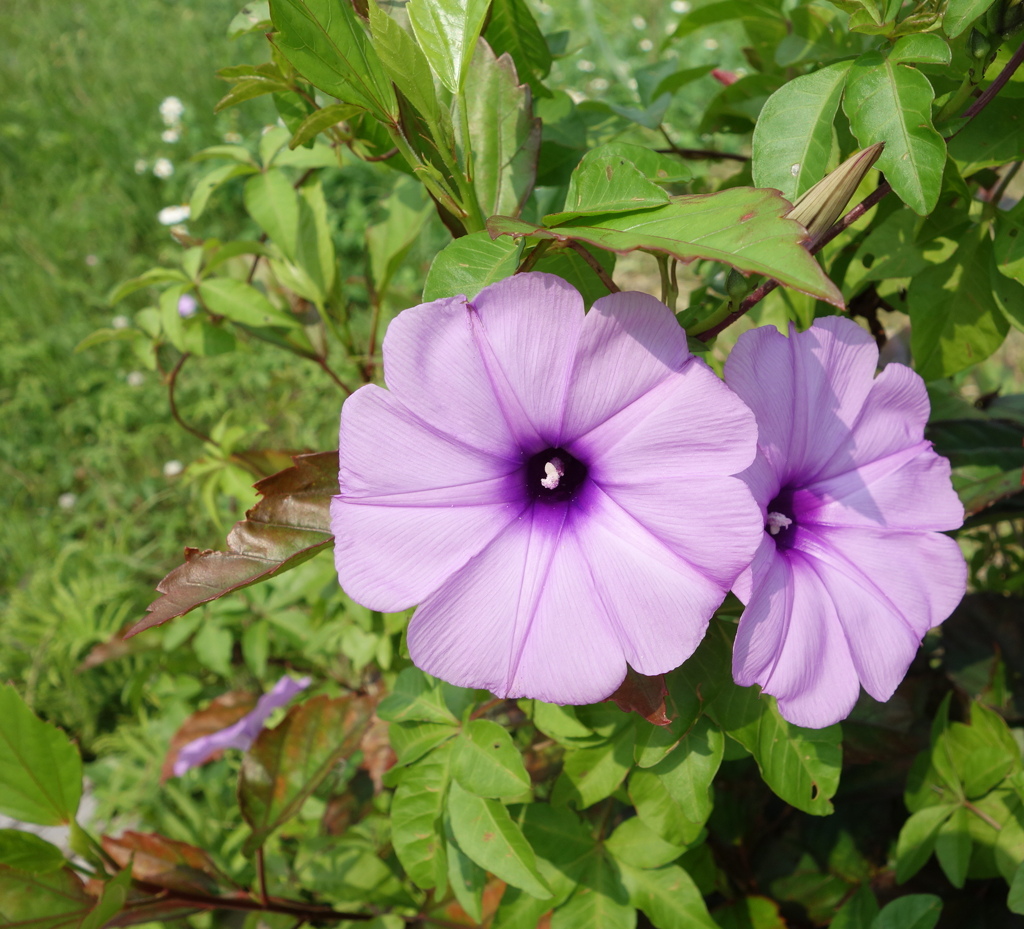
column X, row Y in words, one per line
column 554, row 475
column 780, row 522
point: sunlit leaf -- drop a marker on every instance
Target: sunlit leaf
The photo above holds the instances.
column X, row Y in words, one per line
column 287, row 763
column 915, row 911
column 742, row 227
column 40, row 768
column 447, row 31
column 512, row 29
column 793, row 136
column 486, row 833
column 486, row 762
column 288, row 526
column 243, row 303
column 668, row 896
column 468, row 264
column 28, row 852
column 416, row 826
column 890, row 102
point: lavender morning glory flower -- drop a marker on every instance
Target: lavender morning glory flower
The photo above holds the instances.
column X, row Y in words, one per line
column 555, row 490
column 852, row 569
column 243, row 733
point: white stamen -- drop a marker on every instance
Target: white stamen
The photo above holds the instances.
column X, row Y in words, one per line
column 777, row 521
column 554, row 471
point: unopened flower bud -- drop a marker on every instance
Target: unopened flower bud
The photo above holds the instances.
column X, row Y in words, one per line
column 823, row 204
column 979, row 46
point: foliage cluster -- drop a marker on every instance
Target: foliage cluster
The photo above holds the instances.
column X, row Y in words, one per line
column 450, row 134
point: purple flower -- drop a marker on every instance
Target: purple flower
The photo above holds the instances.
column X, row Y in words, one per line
column 555, row 490
column 187, row 306
column 852, row 569
column 243, row 733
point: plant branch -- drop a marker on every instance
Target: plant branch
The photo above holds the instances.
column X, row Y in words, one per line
column 172, row 382
column 698, row 153
column 595, row 266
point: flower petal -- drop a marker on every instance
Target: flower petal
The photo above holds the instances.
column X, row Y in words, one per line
column 658, row 603
column 414, row 505
column 688, row 425
column 522, row 619
column 908, row 489
column 527, row 328
column 791, row 642
column 806, row 392
column 432, row 364
column 630, row 342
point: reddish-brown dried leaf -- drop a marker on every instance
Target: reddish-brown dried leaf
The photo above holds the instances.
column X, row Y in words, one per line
column 287, row 763
column 167, row 863
column 378, row 755
column 288, row 526
column 645, row 695
column 224, row 711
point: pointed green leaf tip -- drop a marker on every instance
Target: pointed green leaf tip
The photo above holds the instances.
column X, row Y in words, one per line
column 40, row 768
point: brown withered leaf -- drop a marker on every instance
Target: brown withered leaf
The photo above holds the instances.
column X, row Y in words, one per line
column 645, row 695
column 222, row 712
column 288, row 526
column 167, row 863
column 287, row 763
column 378, row 755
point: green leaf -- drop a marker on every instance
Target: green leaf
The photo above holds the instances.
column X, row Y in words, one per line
column 466, row 265
column 447, row 31
column 915, row 911
column 211, row 181
column 415, row 698
column 311, row 274
column 742, row 227
column 634, row 843
column 147, row 279
column 287, row 763
column 243, row 303
column 801, row 766
column 512, row 30
column 54, row 900
column 486, row 762
column 504, row 136
column 606, row 181
column 416, row 819
column 660, row 811
column 999, row 138
column 687, row 772
column 890, row 102
column 28, row 852
column 793, row 136
column 40, row 768
column 327, row 44
column 917, row 839
column 668, row 896
column 1015, row 900
column 321, row 120
column 111, row 902
column 405, row 63
column 250, row 90
column 486, row 833
column 288, row 526
column 600, row 900
column 961, row 13
column 953, row 845
column 557, row 835
column 272, row 202
column 955, row 319
column 591, row 774
column 467, row 881
column 724, row 12
column 406, row 209
column 921, row 48
column 411, row 741
column 858, row 912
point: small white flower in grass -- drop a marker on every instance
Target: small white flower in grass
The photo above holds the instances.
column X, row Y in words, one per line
column 141, row 166
column 710, row 44
column 680, row 6
column 120, row 322
column 135, row 378
column 232, row 138
column 638, row 22
column 67, row 501
column 173, row 468
column 92, row 260
column 171, row 110
column 163, row 168
column 171, row 215
column 632, row 84
column 170, row 136
column 645, row 45
column 585, row 65
column 670, row 27
column 598, row 85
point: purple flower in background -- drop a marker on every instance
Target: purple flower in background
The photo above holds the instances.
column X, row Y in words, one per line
column 243, row 733
column 187, row 306
column 852, row 569
column 555, row 490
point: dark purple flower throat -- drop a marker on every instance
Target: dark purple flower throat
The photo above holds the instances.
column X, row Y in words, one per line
column 781, row 523
column 554, row 475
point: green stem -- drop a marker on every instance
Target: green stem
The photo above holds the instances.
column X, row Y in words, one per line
column 477, row 222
